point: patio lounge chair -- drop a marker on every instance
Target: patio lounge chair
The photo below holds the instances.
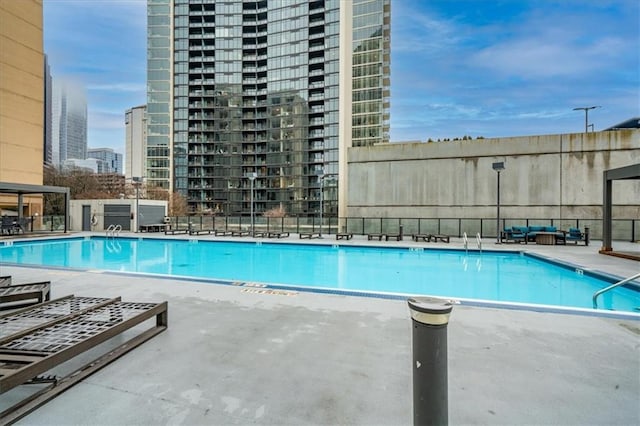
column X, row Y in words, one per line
column 344, row 235
column 175, row 231
column 153, row 227
column 13, row 296
column 424, row 237
column 240, row 233
column 309, row 235
column 10, row 226
column 575, row 235
column 221, row 232
column 200, row 231
column 37, row 339
column 277, row 234
column 5, row 280
column 516, row 234
column 441, row 237
column 396, row 236
column 376, row 235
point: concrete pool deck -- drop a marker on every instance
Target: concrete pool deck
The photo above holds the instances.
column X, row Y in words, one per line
column 238, row 355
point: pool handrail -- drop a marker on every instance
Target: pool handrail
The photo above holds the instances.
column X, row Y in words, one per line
column 611, row 287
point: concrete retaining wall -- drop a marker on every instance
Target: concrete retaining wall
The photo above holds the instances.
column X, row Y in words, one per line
column 550, row 176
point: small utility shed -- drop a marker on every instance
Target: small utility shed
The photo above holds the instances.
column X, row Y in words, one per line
column 622, row 173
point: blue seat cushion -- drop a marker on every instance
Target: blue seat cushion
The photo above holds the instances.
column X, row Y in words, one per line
column 575, row 233
column 520, row 229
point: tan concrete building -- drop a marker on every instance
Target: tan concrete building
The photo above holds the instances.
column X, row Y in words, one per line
column 546, row 177
column 21, row 100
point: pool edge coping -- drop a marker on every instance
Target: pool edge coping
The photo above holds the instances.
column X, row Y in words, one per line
column 357, row 293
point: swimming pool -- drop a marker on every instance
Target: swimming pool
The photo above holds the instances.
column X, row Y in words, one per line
column 488, row 276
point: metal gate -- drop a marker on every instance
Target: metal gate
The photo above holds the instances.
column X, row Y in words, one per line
column 117, row 214
column 151, row 215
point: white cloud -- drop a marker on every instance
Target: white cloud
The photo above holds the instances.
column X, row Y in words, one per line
column 105, row 120
column 543, row 57
column 119, row 87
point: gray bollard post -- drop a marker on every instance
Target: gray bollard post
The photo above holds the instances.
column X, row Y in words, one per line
column 430, row 318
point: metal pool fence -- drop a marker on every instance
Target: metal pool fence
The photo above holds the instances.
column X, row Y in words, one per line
column 623, row 229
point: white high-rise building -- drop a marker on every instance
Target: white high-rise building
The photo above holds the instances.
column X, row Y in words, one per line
column 136, row 142
column 276, row 90
column 69, row 121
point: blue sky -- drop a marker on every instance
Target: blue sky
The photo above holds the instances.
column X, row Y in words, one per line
column 459, row 67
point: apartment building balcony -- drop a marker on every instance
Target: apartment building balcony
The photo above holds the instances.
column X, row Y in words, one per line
column 316, row 34
column 207, row 70
column 201, row 24
column 201, row 81
column 201, row 105
column 201, row 117
column 205, row 36
column 195, row 93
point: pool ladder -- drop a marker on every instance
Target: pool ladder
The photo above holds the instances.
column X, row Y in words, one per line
column 465, row 239
column 611, row 287
column 114, row 231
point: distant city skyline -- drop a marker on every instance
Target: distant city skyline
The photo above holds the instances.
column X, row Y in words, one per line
column 458, row 67
column 68, row 121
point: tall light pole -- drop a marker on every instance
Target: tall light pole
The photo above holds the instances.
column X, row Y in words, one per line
column 136, row 182
column 498, row 167
column 252, row 176
column 586, row 115
column 321, row 178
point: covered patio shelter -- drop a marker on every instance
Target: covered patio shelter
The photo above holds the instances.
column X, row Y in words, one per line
column 20, row 189
column 622, row 173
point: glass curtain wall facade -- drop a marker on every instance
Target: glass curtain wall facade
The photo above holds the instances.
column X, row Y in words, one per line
column 159, row 103
column 255, row 90
column 371, row 71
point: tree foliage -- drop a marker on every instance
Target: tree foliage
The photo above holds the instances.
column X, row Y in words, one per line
column 178, row 205
column 82, row 184
column 275, row 212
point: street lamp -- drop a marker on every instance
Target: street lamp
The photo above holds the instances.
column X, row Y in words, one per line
column 498, row 167
column 586, row 116
column 321, row 179
column 137, row 181
column 252, row 176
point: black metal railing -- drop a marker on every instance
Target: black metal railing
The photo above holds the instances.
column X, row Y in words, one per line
column 622, row 229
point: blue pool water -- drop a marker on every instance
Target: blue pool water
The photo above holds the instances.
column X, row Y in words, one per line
column 495, row 276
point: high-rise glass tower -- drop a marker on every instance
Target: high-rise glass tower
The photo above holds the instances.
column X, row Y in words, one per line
column 136, row 142
column 112, row 161
column 69, row 122
column 273, row 89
